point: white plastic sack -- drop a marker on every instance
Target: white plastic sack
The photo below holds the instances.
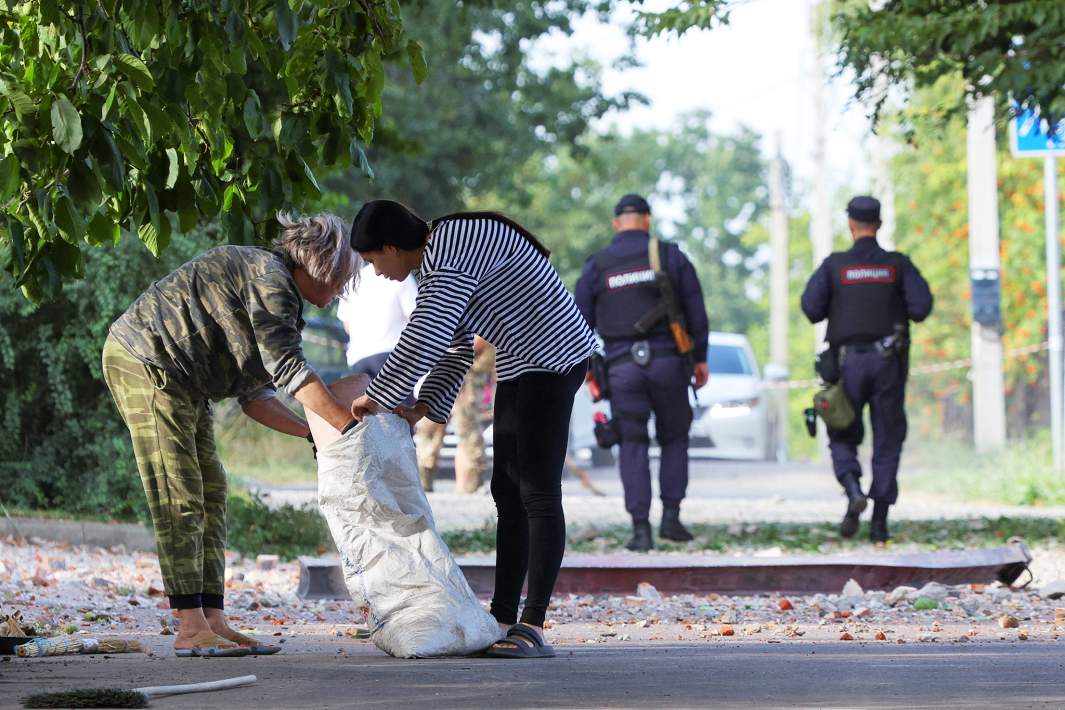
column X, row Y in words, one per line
column 394, row 562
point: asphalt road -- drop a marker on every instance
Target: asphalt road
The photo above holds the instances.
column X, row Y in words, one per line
column 826, row 675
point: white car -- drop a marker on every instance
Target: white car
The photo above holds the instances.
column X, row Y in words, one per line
column 733, row 418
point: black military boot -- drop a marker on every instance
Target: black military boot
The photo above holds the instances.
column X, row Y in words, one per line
column 641, row 537
column 856, row 504
column 878, row 533
column 672, row 528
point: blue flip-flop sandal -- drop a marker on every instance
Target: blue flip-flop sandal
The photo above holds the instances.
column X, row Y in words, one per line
column 527, row 644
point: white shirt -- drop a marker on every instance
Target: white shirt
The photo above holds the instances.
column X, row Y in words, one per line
column 481, row 276
column 376, row 313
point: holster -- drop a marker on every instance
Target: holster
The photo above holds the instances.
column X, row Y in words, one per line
column 827, row 366
column 598, row 367
column 607, row 433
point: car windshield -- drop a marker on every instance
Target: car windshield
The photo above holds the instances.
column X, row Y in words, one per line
column 728, row 360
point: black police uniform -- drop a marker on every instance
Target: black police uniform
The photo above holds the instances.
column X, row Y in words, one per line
column 869, row 296
column 615, row 290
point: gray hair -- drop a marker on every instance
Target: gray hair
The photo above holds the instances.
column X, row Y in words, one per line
column 321, row 245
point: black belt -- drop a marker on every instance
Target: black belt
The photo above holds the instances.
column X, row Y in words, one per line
column 860, row 347
column 887, row 345
column 655, row 350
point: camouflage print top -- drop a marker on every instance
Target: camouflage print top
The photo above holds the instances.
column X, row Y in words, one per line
column 226, row 324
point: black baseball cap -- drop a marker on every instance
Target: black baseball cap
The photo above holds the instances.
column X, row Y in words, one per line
column 864, row 209
column 632, row 203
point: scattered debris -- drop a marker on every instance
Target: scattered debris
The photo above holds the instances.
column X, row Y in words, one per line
column 647, row 591
column 1053, row 590
column 264, row 602
column 925, row 604
column 1008, row 621
column 267, row 562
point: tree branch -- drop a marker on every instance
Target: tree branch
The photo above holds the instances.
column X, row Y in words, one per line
column 84, row 49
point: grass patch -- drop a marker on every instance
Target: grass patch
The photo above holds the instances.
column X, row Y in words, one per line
column 58, row 515
column 794, row 538
column 1022, row 473
column 251, row 452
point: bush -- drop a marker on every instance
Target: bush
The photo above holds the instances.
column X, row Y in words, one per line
column 254, row 528
column 65, row 446
column 1021, row 473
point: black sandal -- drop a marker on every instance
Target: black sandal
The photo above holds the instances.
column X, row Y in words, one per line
column 527, row 644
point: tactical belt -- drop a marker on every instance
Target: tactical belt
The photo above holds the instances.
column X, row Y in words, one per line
column 859, row 348
column 655, row 350
column 888, row 345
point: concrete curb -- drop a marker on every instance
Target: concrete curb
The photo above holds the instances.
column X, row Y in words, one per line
column 130, row 535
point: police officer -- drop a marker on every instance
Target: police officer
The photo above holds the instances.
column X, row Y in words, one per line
column 869, row 296
column 647, row 373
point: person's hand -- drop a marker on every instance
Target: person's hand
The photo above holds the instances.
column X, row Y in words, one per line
column 364, row 407
column 412, row 414
column 701, row 375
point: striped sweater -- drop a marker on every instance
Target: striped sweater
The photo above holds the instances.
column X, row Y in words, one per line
column 480, row 276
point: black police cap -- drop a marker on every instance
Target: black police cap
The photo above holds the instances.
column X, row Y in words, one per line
column 864, row 209
column 632, row 203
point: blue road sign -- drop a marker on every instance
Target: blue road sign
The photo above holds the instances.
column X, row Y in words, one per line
column 1031, row 137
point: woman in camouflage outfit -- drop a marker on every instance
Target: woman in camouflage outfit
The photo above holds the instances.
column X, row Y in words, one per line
column 226, row 324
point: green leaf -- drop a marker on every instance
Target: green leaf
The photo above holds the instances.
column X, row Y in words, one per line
column 147, row 234
column 135, row 113
column 158, row 119
column 310, row 175
column 239, row 229
column 67, row 258
column 185, row 199
column 109, row 101
column 110, row 157
column 22, row 104
column 157, row 240
column 293, row 131
column 287, row 23
column 175, row 168
column 10, row 181
column 253, row 115
column 15, row 233
column 102, row 229
column 131, row 152
column 136, row 70
column 153, row 207
column 358, row 155
column 66, row 125
column 416, row 54
column 69, row 220
column 83, row 184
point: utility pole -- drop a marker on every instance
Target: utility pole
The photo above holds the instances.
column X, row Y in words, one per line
column 989, row 407
column 821, row 219
column 778, row 293
column 1054, row 352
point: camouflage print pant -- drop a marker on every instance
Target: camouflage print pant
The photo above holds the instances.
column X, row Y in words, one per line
column 173, row 441
column 471, row 459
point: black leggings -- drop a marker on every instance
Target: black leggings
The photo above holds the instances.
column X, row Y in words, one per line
column 531, row 426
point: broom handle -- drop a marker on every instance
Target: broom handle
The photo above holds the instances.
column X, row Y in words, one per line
column 224, row 684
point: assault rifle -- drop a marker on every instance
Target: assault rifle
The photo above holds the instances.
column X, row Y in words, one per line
column 668, row 308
